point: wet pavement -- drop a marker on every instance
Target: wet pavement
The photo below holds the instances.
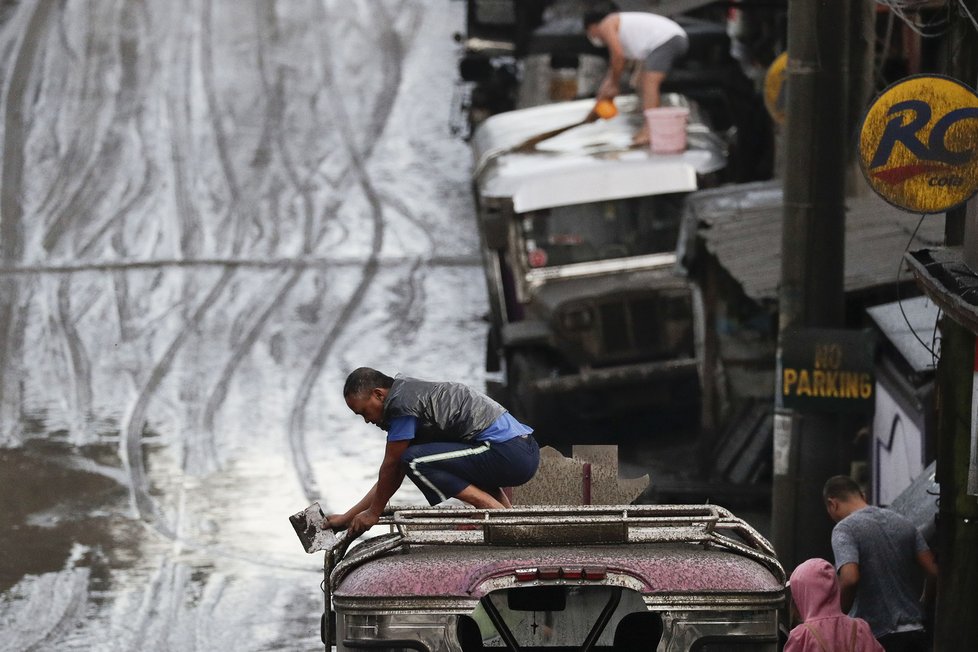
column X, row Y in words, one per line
column 212, row 210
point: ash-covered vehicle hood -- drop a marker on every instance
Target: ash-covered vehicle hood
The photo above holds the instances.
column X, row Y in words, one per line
column 588, row 163
column 614, row 576
column 552, row 295
column 442, row 571
column 465, row 553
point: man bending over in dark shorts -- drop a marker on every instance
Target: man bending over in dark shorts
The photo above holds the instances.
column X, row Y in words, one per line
column 654, row 41
column 449, row 439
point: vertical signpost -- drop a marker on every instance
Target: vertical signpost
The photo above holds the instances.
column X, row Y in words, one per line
column 813, row 244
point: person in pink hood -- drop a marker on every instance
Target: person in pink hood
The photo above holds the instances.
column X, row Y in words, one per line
column 824, row 628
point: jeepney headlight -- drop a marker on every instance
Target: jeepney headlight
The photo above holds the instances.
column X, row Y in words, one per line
column 578, row 318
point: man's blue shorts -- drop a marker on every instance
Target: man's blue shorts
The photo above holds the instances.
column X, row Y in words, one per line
column 443, row 469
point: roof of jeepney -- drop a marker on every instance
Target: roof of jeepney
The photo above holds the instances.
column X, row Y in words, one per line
column 588, row 163
column 448, row 571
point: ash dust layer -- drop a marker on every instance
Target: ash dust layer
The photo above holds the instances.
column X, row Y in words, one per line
column 212, row 210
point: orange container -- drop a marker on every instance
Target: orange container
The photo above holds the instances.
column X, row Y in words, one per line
column 605, row 109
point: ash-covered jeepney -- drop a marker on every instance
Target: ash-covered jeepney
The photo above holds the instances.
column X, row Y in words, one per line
column 659, row 578
column 589, row 316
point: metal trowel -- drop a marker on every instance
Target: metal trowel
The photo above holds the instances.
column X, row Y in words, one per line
column 308, row 525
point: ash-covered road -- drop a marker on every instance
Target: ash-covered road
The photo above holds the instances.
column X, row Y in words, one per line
column 210, row 212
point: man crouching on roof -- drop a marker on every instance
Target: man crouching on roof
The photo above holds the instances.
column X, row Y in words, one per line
column 451, row 440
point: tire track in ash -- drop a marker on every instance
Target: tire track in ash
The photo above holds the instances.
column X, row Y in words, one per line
column 272, row 123
column 131, row 440
column 301, row 184
column 181, row 141
column 240, row 350
column 132, row 110
column 391, row 64
column 271, row 137
column 87, row 179
column 408, row 308
column 82, row 151
column 47, row 609
column 15, row 118
column 125, row 107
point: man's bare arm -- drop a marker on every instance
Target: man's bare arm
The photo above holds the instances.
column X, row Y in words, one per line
column 342, row 521
column 389, row 478
column 608, row 32
column 927, row 562
column 848, row 583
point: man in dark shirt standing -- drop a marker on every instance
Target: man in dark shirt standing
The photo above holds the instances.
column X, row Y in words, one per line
column 449, row 439
column 877, row 552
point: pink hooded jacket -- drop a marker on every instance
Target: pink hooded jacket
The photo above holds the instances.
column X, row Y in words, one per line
column 824, row 628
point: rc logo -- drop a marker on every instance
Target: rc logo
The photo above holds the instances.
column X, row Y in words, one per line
column 918, row 146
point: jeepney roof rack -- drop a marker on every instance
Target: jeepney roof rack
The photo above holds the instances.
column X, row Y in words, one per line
column 554, row 525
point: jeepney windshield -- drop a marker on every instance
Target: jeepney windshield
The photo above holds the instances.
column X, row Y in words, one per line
column 606, row 230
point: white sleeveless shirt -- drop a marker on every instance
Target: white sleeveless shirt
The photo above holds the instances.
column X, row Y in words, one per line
column 641, row 32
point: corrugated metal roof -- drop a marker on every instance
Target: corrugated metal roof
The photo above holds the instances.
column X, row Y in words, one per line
column 905, row 323
column 741, row 227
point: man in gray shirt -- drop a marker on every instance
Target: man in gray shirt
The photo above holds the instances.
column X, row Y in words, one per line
column 877, row 552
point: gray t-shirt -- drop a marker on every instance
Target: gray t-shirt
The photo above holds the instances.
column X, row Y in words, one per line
column 885, row 545
column 445, row 411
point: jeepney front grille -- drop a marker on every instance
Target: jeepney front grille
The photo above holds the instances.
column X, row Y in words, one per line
column 647, row 328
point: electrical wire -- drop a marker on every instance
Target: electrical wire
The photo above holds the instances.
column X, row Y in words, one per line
column 884, row 49
column 900, row 299
column 935, row 340
column 963, row 7
column 902, row 8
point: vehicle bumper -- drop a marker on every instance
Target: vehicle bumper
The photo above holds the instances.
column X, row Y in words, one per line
column 642, row 373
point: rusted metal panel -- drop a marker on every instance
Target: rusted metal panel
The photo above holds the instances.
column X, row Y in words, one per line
column 945, row 280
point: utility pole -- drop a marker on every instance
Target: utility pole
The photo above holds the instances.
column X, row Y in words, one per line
column 955, row 626
column 812, row 262
column 961, row 59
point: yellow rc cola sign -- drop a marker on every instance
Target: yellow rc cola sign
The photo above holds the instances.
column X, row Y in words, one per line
column 774, row 88
column 918, row 147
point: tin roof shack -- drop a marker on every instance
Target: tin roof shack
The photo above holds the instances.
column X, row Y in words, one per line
column 904, row 419
column 619, row 577
column 731, row 245
column 579, row 238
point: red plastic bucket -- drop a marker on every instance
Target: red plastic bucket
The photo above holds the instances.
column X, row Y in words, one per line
column 667, row 129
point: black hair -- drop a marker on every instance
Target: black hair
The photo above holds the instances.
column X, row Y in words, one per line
column 598, row 12
column 362, row 380
column 841, row 487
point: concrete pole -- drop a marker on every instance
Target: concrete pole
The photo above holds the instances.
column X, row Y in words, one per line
column 812, row 272
column 961, row 63
column 862, row 58
column 956, row 624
